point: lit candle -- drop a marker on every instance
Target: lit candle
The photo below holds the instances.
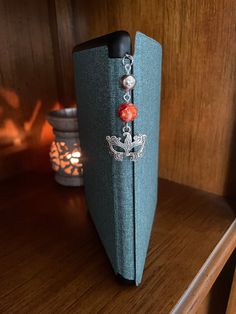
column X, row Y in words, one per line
column 65, row 152
column 74, row 157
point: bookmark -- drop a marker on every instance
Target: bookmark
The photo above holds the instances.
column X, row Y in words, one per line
column 127, row 112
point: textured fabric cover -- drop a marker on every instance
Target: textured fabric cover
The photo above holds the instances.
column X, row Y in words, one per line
column 147, row 70
column 121, row 196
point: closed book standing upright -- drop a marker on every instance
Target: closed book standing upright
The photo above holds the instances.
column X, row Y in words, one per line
column 121, row 195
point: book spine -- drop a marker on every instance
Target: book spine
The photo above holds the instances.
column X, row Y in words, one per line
column 122, row 183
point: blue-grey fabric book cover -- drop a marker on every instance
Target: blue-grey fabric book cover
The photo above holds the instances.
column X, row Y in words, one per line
column 121, row 196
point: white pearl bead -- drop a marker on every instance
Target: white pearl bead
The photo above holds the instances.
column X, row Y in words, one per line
column 128, row 82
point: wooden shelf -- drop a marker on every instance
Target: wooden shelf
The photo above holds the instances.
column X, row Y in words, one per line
column 52, row 261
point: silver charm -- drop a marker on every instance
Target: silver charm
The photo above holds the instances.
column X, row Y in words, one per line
column 127, row 145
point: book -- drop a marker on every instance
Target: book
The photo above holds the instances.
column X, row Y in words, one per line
column 121, row 195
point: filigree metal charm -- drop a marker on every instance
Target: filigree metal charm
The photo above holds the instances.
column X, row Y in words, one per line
column 127, row 146
column 132, row 148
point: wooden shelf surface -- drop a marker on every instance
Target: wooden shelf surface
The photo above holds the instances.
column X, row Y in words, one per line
column 51, row 260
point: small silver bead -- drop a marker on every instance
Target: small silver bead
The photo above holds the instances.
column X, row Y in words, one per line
column 128, row 82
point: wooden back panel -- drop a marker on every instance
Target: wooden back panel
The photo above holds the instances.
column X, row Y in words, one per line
column 32, row 81
column 198, row 110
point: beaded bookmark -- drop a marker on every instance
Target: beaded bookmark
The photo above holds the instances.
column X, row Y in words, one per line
column 127, row 112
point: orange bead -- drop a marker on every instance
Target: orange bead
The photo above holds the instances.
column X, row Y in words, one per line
column 127, row 112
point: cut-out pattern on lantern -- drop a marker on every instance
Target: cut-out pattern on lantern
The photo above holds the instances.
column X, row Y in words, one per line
column 65, row 152
column 65, row 158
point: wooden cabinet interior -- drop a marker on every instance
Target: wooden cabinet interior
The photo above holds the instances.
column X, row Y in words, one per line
column 197, row 130
column 197, row 138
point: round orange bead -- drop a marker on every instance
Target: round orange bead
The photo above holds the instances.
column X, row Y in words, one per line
column 127, row 112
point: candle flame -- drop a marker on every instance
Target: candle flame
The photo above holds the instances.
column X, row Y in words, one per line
column 76, row 154
column 74, row 161
column 74, row 157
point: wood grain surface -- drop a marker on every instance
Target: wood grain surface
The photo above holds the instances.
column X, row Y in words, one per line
column 198, row 129
column 203, row 281
column 62, row 31
column 198, row 111
column 28, row 83
column 51, row 259
column 27, row 71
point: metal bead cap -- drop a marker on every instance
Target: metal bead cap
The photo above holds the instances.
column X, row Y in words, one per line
column 128, row 82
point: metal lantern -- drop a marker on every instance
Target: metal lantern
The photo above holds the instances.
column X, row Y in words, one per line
column 65, row 152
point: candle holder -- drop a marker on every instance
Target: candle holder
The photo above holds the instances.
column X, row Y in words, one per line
column 65, row 152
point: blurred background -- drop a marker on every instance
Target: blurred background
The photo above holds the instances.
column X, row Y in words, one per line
column 197, row 132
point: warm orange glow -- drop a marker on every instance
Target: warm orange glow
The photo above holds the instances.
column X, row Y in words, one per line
column 28, row 124
column 68, row 170
column 74, row 157
column 76, row 154
column 17, row 141
column 10, row 133
column 74, row 161
column 10, row 97
column 46, row 135
column 57, row 106
column 65, row 160
column 14, row 131
column 75, row 172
